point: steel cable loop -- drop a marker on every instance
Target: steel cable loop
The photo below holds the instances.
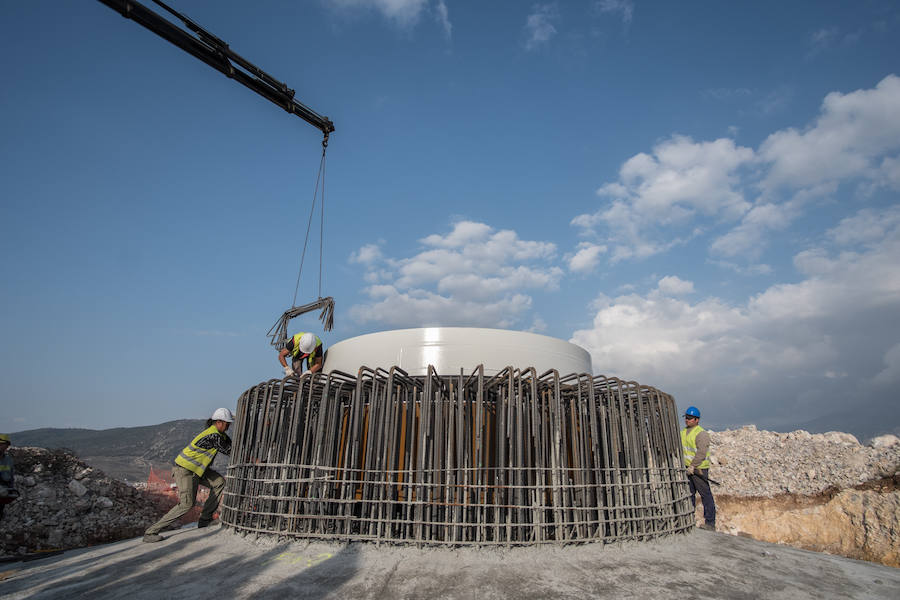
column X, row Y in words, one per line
column 512, row 459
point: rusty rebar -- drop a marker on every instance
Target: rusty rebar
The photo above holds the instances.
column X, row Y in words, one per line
column 511, row 459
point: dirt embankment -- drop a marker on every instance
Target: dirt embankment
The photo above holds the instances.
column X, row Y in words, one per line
column 821, row 492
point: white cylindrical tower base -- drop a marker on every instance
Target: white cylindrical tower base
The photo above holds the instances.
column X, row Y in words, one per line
column 450, row 349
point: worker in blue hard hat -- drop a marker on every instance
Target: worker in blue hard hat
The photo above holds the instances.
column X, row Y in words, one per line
column 695, row 442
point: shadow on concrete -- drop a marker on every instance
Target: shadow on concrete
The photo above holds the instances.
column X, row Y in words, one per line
column 192, row 566
column 317, row 578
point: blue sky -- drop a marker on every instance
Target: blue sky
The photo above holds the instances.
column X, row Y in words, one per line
column 702, row 195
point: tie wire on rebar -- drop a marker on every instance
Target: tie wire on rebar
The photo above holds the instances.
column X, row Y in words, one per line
column 515, row 458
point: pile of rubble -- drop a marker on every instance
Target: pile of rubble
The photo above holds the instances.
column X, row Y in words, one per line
column 64, row 504
column 752, row 463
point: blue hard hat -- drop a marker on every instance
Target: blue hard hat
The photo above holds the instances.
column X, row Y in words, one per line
column 692, row 412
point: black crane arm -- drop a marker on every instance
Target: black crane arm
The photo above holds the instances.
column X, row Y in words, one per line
column 216, row 53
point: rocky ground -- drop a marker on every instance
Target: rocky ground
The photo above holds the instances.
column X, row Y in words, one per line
column 65, row 503
column 824, row 492
column 750, row 462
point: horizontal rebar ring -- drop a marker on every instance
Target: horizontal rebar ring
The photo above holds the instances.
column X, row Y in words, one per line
column 511, row 459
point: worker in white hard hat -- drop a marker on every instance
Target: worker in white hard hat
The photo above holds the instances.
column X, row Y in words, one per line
column 7, row 478
column 302, row 346
column 192, row 469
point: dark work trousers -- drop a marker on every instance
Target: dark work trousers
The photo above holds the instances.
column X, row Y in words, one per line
column 701, row 484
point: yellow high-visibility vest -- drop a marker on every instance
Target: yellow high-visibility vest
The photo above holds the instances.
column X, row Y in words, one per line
column 197, row 459
column 689, row 443
column 311, row 359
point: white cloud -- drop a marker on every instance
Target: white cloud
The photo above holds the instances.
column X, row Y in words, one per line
column 623, row 7
column 675, row 286
column 889, row 172
column 539, row 25
column 586, row 259
column 758, row 359
column 473, row 275
column 367, row 254
column 538, row 325
column 683, row 188
column 679, row 181
column 865, row 227
column 747, row 239
column 852, row 132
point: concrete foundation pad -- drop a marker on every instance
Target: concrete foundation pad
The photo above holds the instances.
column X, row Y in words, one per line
column 217, row 563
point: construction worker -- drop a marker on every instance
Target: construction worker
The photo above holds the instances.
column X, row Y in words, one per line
column 695, row 441
column 192, row 469
column 302, row 346
column 7, row 477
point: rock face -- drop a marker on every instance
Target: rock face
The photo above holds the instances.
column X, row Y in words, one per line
column 823, row 492
column 64, row 503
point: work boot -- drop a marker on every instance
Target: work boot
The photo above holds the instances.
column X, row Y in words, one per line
column 153, row 537
column 708, row 526
column 201, row 524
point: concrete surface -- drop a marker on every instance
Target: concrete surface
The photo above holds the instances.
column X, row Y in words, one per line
column 216, row 563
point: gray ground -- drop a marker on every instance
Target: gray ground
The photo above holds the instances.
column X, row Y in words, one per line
column 216, row 563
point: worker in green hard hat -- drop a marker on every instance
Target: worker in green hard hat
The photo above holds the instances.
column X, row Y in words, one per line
column 695, row 442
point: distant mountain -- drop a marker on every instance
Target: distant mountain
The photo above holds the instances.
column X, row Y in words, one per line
column 123, row 452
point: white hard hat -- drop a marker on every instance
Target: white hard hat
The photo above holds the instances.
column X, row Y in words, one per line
column 223, row 414
column 307, row 343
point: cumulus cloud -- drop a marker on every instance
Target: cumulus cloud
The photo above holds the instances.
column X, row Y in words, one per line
column 678, row 181
column 684, row 188
column 849, row 139
column 473, row 275
column 675, row 286
column 760, row 359
column 539, row 25
column 367, row 254
column 586, row 259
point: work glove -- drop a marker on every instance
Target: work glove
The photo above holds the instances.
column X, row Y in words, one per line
column 288, row 371
column 691, row 471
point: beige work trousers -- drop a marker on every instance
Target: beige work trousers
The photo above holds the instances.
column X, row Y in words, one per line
column 187, row 482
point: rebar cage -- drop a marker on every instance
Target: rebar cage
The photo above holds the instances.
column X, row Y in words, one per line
column 510, row 459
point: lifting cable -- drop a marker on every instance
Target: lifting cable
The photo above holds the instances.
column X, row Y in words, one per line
column 278, row 333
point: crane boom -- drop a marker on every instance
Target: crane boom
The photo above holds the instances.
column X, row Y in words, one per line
column 216, row 53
